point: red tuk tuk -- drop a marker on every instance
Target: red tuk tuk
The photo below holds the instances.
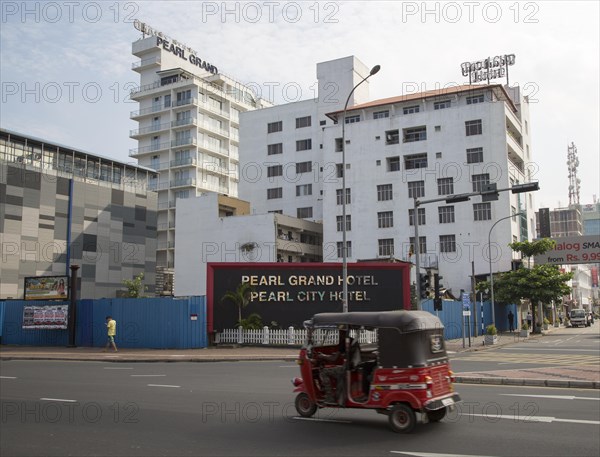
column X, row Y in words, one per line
column 394, row 362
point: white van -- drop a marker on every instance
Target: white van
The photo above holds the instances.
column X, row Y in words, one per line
column 578, row 317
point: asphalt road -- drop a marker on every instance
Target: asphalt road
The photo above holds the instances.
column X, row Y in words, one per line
column 246, row 409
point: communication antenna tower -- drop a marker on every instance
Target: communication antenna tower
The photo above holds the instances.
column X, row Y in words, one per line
column 574, row 181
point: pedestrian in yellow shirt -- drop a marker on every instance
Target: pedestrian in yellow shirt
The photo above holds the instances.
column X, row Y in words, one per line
column 111, row 329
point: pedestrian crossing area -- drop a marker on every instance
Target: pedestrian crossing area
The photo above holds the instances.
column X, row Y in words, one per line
column 531, row 358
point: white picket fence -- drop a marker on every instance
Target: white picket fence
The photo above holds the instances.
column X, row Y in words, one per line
column 288, row 337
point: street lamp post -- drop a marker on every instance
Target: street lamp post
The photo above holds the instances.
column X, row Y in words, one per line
column 374, row 70
column 490, row 260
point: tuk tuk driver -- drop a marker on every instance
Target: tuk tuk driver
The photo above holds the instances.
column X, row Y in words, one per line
column 336, row 372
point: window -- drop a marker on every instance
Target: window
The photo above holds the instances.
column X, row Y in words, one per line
column 385, row 219
column 338, row 145
column 411, row 216
column 303, row 189
column 473, row 127
column 438, row 128
column 479, row 181
column 475, row 155
column 384, row 192
column 422, row 244
column 446, row 214
column 475, row 99
column 392, row 137
column 303, row 213
column 302, row 122
column 441, row 105
column 352, row 119
column 416, row 189
column 273, row 127
column 445, row 186
column 303, row 145
column 339, row 224
column 482, row 211
column 275, row 170
column 182, row 194
column 276, row 192
column 276, row 211
column 339, row 170
column 340, row 250
column 393, row 164
column 447, row 243
column 322, row 122
column 411, row 109
column 273, row 149
column 303, row 167
column 338, row 196
column 386, row 247
column 414, row 134
column 415, row 161
column 381, row 114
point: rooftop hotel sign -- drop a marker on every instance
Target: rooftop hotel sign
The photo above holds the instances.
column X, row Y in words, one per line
column 487, row 69
column 175, row 47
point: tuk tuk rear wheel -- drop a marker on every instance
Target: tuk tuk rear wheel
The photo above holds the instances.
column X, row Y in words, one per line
column 304, row 405
column 402, row 418
column 436, row 415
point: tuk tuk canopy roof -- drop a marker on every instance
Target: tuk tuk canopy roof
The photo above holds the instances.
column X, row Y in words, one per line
column 406, row 321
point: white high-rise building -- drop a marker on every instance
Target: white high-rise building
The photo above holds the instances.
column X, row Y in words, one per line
column 188, row 127
column 431, row 144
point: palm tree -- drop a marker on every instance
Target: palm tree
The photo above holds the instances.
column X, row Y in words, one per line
column 240, row 297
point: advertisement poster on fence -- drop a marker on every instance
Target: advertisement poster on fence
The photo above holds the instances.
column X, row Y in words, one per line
column 52, row 317
column 47, row 288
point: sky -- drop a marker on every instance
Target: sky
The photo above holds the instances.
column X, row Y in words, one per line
column 65, row 67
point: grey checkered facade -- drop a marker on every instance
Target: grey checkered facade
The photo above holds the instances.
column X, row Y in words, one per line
column 61, row 207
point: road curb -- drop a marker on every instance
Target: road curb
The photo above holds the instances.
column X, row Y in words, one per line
column 156, row 360
column 558, row 383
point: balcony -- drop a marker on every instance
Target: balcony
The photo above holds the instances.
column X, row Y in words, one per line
column 158, row 86
column 218, row 111
column 147, row 111
column 165, row 245
column 146, row 149
column 185, row 182
column 185, row 162
column 180, row 142
column 207, row 126
column 217, row 169
column 147, row 130
column 146, row 63
column 189, row 121
column 184, row 102
column 166, row 226
column 166, row 205
column 214, row 148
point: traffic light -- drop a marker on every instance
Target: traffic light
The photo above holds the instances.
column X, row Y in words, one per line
column 436, row 285
column 424, row 284
column 437, row 299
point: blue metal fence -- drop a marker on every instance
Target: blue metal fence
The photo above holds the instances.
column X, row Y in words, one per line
column 158, row 323
column 451, row 316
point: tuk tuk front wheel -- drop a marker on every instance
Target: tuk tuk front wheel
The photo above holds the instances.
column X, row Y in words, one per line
column 304, row 405
column 402, row 418
column 436, row 415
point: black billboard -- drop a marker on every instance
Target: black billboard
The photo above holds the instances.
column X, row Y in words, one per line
column 290, row 293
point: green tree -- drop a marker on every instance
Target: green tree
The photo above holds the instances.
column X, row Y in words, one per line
column 542, row 283
column 135, row 286
column 240, row 297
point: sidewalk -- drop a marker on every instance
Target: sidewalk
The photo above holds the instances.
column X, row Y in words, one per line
column 574, row 376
